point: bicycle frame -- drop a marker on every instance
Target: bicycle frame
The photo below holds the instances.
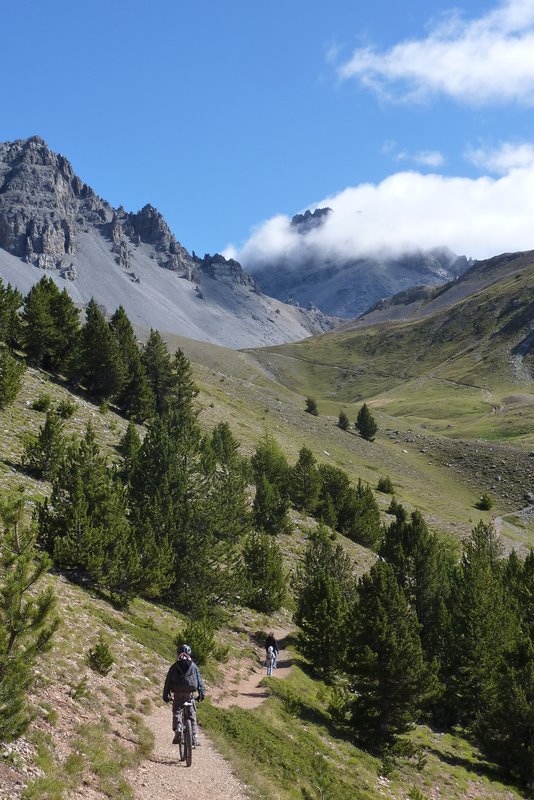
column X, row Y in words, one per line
column 184, row 731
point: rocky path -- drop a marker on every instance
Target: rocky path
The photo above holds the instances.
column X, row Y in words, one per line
column 164, row 777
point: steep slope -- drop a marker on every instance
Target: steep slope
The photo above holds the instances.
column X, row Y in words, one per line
column 345, row 286
column 51, row 220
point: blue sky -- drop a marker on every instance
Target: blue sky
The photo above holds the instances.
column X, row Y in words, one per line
column 230, row 117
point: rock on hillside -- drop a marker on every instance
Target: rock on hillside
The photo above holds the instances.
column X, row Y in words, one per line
column 50, row 220
column 346, row 288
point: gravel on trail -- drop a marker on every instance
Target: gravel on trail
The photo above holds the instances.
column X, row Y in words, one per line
column 164, row 777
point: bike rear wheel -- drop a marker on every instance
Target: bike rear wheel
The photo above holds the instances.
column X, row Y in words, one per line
column 182, row 745
column 188, row 743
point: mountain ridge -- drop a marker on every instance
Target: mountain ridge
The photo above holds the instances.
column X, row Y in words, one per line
column 51, row 220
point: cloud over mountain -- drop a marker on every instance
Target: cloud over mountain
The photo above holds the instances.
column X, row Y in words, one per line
column 408, row 211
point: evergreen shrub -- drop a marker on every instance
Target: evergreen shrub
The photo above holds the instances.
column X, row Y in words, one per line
column 485, row 503
column 66, row 409
column 100, row 657
column 199, row 635
column 43, row 402
column 385, row 485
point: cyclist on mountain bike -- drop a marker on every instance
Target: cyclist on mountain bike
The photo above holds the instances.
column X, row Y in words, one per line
column 183, row 679
column 270, row 641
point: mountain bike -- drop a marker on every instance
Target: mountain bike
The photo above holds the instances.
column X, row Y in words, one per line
column 184, row 730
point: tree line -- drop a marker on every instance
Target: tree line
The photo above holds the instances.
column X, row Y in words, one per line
column 102, row 356
column 425, row 637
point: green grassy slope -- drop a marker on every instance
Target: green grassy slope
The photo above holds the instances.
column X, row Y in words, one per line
column 456, row 366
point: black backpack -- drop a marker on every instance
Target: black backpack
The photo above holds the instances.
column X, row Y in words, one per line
column 184, row 677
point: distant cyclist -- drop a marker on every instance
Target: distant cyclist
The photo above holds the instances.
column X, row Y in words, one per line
column 183, row 679
column 270, row 641
column 270, row 660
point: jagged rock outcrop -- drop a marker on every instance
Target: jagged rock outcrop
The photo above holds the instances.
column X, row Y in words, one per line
column 220, row 268
column 310, row 219
column 44, row 206
column 42, row 203
column 415, row 294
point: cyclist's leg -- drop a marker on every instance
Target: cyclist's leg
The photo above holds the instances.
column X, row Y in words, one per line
column 176, row 705
column 193, row 717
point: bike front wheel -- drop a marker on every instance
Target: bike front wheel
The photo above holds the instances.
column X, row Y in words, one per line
column 188, row 743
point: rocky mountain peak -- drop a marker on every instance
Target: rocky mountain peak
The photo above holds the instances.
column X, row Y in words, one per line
column 310, row 219
column 44, row 206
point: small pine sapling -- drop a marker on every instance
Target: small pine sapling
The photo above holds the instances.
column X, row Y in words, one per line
column 311, row 407
column 100, row 657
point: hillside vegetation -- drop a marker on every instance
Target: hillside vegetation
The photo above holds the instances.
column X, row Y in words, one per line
column 225, row 472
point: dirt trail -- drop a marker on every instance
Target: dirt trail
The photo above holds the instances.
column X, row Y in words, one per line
column 247, row 692
column 164, row 777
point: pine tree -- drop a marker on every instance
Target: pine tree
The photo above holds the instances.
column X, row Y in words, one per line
column 224, row 444
column 324, row 586
column 335, row 493
column 172, row 500
column 27, row 619
column 305, row 481
column 270, row 508
column 11, row 373
column 184, row 388
column 268, row 460
column 66, row 328
column 423, row 567
column 505, row 726
column 135, row 396
column 158, row 365
column 228, row 496
column 129, row 447
column 385, row 660
column 366, row 424
column 101, row 367
column 311, row 406
column 518, row 580
column 265, row 577
column 343, row 421
column 38, row 328
column 44, row 453
column 10, row 323
column 359, row 518
column 84, row 524
column 482, row 627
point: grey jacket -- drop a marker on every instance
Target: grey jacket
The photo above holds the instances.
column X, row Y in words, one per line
column 173, row 678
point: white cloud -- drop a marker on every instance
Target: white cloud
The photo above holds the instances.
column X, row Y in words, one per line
column 407, row 211
column 504, row 158
column 429, row 158
column 423, row 158
column 490, row 59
